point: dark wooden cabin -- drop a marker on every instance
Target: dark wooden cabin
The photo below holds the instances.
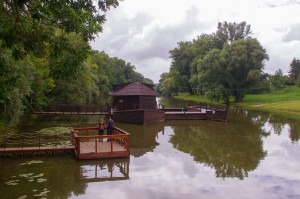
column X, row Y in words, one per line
column 135, row 102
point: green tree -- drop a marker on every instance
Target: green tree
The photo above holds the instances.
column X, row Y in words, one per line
column 294, row 71
column 278, row 79
column 170, row 84
column 214, row 76
column 16, row 77
column 245, row 59
column 28, row 25
column 229, row 32
column 67, row 55
column 182, row 57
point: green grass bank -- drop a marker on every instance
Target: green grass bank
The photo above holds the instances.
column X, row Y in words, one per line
column 285, row 100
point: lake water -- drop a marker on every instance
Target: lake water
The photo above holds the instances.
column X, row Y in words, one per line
column 254, row 155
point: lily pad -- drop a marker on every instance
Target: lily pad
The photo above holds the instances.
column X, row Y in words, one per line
column 12, row 182
column 23, row 197
column 41, row 180
column 32, row 162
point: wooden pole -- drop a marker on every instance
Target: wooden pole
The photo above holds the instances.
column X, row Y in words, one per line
column 96, row 145
column 111, row 144
column 39, row 144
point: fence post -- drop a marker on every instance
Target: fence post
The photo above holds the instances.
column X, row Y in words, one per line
column 22, row 143
column 39, row 144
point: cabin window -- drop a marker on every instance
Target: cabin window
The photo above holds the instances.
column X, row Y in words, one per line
column 121, row 101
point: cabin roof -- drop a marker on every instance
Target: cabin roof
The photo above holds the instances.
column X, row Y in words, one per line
column 133, row 88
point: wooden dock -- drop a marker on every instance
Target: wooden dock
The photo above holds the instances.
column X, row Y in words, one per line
column 89, row 147
column 85, row 147
column 196, row 113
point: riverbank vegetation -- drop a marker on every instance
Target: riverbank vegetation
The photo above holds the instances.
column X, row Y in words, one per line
column 286, row 99
column 45, row 56
column 227, row 67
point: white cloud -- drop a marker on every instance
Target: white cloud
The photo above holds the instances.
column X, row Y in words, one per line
column 142, row 32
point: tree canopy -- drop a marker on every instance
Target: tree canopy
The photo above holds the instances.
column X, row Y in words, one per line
column 29, row 25
column 45, row 56
column 294, row 71
column 218, row 65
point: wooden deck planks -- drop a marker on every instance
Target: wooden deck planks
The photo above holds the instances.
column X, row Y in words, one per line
column 88, row 150
column 102, row 147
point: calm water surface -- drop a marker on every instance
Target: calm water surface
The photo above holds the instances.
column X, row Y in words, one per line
column 254, row 155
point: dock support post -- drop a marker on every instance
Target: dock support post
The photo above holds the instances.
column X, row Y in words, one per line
column 22, row 145
column 39, row 144
column 96, row 146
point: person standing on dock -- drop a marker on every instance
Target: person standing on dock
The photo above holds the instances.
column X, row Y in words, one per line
column 110, row 127
column 101, row 127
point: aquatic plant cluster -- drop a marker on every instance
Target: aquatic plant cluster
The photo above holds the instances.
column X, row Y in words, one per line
column 30, row 177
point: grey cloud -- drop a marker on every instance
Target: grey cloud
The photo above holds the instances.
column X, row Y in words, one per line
column 142, row 41
column 128, row 37
column 293, row 34
column 160, row 40
column 273, row 4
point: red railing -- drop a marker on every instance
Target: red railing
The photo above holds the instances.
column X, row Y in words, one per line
column 118, row 136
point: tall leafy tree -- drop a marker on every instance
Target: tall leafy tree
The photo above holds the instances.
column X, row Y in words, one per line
column 294, row 71
column 278, row 79
column 245, row 64
column 182, row 57
column 229, row 32
column 27, row 25
column 214, row 76
column 15, row 80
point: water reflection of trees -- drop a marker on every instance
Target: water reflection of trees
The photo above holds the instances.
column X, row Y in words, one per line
column 232, row 149
column 142, row 137
column 277, row 123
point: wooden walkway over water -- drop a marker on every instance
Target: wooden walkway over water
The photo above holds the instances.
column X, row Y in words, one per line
column 84, row 146
column 66, row 109
column 202, row 112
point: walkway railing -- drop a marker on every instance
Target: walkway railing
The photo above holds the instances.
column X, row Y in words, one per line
column 122, row 107
column 196, row 106
column 66, row 109
column 88, row 146
column 34, row 142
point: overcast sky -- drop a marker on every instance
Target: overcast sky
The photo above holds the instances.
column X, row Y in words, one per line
column 143, row 32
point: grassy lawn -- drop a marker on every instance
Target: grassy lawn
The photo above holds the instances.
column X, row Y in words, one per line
column 293, row 105
column 285, row 94
column 286, row 99
column 195, row 98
